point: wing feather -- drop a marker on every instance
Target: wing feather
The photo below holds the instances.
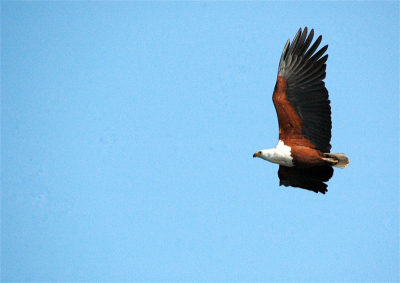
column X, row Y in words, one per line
column 312, row 178
column 301, row 99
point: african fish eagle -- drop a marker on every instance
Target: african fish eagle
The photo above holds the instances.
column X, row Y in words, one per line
column 304, row 117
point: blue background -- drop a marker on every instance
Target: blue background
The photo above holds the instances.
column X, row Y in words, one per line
column 128, row 130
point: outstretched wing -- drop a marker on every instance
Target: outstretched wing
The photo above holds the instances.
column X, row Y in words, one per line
column 300, row 97
column 311, row 178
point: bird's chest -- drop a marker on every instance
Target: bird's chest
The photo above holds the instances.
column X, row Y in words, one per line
column 282, row 155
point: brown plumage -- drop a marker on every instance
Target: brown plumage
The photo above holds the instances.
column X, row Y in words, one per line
column 304, row 116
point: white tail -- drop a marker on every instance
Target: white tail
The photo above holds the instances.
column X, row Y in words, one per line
column 342, row 160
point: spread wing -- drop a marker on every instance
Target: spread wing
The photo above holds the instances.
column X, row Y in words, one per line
column 311, row 178
column 300, row 97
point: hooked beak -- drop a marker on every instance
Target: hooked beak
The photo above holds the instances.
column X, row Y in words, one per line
column 257, row 154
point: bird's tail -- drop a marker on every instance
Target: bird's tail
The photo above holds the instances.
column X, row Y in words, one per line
column 337, row 159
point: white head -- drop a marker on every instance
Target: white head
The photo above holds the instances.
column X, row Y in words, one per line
column 281, row 154
column 266, row 154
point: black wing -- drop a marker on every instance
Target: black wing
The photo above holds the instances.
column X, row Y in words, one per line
column 311, row 178
column 304, row 72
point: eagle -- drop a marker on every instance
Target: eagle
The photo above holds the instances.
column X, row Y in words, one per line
column 303, row 108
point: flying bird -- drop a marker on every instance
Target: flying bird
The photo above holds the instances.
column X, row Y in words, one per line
column 304, row 117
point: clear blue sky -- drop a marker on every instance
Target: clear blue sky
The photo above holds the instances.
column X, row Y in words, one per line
column 128, row 130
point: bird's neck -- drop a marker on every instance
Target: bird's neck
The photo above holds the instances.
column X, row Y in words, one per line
column 280, row 154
